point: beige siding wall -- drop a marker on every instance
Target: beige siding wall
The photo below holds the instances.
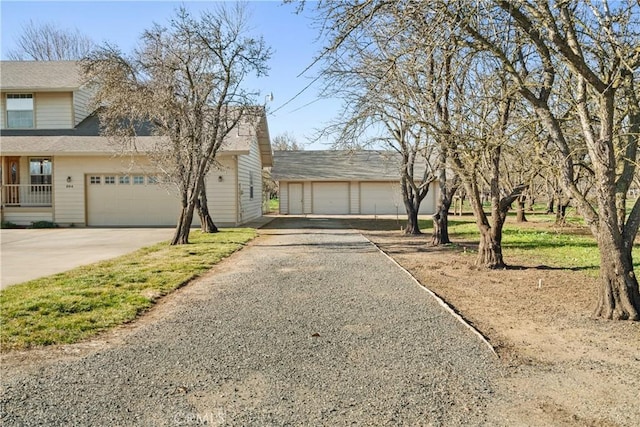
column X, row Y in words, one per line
column 27, row 216
column 53, row 110
column 68, row 202
column 283, row 196
column 221, row 192
column 250, row 175
column 81, row 110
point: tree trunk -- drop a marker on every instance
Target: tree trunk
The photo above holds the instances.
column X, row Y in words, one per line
column 489, row 250
column 412, row 227
column 531, row 204
column 561, row 211
column 181, row 235
column 440, row 234
column 520, row 215
column 618, row 297
column 189, row 198
column 461, row 204
column 550, row 204
column 206, row 222
column 448, row 190
column 441, row 218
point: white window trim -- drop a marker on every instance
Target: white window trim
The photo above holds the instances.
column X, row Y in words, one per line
column 20, row 95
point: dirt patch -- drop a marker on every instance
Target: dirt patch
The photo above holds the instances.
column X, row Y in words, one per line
column 563, row 368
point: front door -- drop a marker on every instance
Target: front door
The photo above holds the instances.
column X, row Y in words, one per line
column 12, row 179
column 295, row 199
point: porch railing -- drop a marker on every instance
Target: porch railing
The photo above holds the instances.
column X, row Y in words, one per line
column 26, row 194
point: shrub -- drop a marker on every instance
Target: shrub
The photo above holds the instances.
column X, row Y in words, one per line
column 43, row 224
column 9, row 224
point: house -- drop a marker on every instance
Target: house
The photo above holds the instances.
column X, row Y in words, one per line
column 56, row 167
column 342, row 183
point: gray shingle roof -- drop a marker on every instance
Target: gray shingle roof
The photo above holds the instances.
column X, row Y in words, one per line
column 85, row 139
column 39, row 75
column 334, row 165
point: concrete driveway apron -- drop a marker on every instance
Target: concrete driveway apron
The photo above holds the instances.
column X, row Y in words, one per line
column 309, row 325
column 30, row 254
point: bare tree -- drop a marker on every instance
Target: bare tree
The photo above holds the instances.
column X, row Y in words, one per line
column 366, row 66
column 484, row 109
column 185, row 80
column 47, row 42
column 286, row 142
column 597, row 42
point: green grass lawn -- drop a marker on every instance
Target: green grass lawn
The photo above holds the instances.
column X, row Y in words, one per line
column 571, row 247
column 72, row 306
column 274, row 205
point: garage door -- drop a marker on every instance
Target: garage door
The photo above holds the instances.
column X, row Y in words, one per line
column 129, row 200
column 380, row 198
column 330, row 198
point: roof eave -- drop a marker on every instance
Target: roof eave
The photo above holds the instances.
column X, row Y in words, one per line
column 264, row 142
column 39, row 88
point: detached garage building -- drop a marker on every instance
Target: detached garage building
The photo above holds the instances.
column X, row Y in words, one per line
column 335, row 182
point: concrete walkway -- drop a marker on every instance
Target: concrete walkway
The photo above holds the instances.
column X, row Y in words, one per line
column 309, row 325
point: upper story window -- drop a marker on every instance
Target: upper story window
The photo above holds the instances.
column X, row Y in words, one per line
column 19, row 110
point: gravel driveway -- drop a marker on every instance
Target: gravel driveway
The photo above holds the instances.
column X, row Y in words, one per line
column 307, row 326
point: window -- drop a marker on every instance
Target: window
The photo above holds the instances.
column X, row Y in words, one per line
column 138, row 180
column 124, row 179
column 152, row 180
column 19, row 110
column 109, row 179
column 95, row 180
column 40, row 174
column 251, row 185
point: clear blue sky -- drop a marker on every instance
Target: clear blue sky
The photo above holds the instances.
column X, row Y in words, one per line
column 292, row 38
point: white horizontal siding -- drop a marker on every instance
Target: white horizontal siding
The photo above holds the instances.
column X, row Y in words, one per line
column 221, row 191
column 250, row 171
column 53, row 110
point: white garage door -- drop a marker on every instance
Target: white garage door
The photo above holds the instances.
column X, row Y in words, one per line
column 380, row 198
column 330, row 198
column 129, row 200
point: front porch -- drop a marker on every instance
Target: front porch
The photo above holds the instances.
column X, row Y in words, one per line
column 26, row 195
column 24, row 204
